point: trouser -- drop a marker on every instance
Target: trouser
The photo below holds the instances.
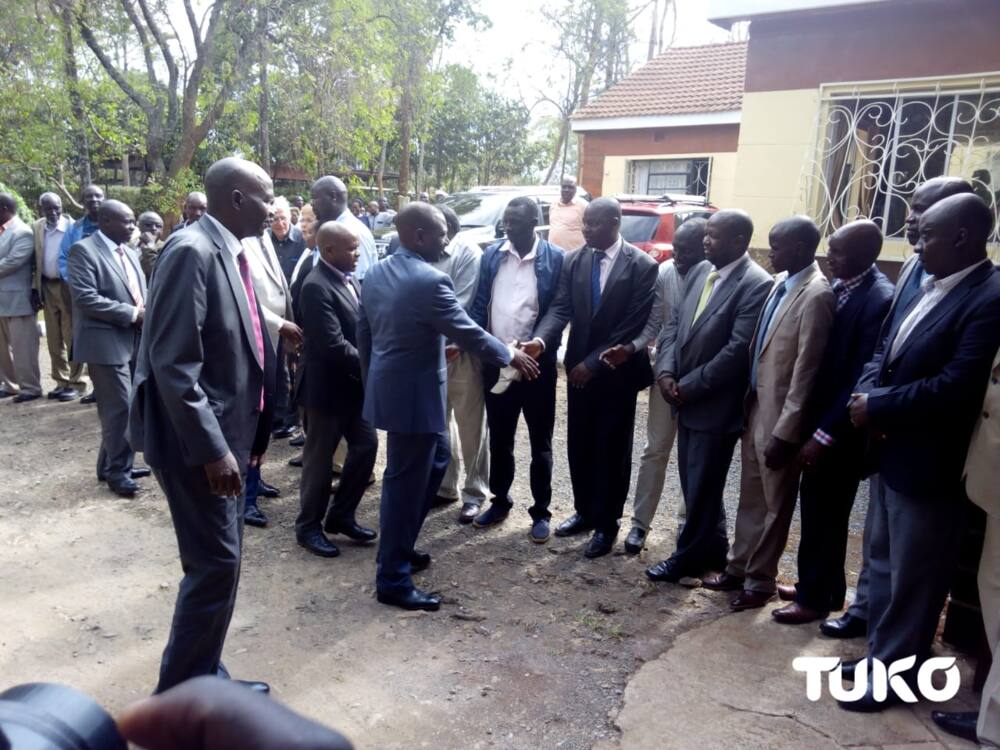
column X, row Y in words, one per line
column 209, row 532
column 415, row 464
column 827, row 497
column 58, row 315
column 467, row 425
column 914, row 544
column 859, row 607
column 261, row 442
column 113, row 390
column 703, row 460
column 661, row 429
column 19, row 371
column 989, row 599
column 285, row 412
column 537, row 400
column 325, row 432
column 599, row 426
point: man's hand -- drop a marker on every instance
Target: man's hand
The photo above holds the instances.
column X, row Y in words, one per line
column 858, row 408
column 580, row 375
column 669, row 390
column 532, row 348
column 224, row 476
column 451, row 353
column 812, row 453
column 291, row 333
column 617, row 355
column 524, row 364
column 778, row 453
column 140, row 315
column 147, row 239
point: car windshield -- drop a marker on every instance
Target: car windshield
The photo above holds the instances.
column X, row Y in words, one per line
column 477, row 209
column 639, row 227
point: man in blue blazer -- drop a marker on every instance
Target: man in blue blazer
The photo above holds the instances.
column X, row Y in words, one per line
column 407, row 308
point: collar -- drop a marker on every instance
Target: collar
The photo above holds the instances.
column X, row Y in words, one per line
column 855, row 281
column 9, row 223
column 507, row 247
column 112, row 245
column 228, row 238
column 950, row 282
column 612, row 252
column 798, row 277
column 341, row 276
column 728, row 268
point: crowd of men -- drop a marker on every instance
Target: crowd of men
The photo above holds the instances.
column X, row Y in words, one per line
column 258, row 318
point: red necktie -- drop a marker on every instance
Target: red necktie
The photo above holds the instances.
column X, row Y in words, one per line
column 258, row 333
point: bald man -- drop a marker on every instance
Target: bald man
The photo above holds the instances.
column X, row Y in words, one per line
column 329, row 201
column 148, row 243
column 832, row 459
column 203, row 363
column 920, row 409
column 195, row 205
column 329, row 389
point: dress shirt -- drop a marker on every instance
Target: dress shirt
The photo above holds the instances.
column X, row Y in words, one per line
column 342, row 277
column 514, row 297
column 844, row 288
column 778, row 298
column 78, row 230
column 609, row 261
column 131, row 281
column 460, row 260
column 566, row 223
column 724, row 273
column 288, row 250
column 368, row 256
column 51, row 242
column 932, row 290
column 668, row 291
column 232, row 244
column 383, row 219
column 7, row 224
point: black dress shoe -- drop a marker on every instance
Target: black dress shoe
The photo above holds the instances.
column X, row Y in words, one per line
column 573, row 525
column 845, row 626
column 296, row 461
column 319, row 545
column 90, row 398
column 848, row 668
column 70, row 394
column 282, row 432
column 351, row 530
column 140, row 472
column 959, row 723
column 254, row 516
column 667, row 570
column 600, row 544
column 867, row 704
column 298, row 441
column 56, row 393
column 419, row 560
column 635, row 541
column 267, row 490
column 468, row 513
column 20, row 398
column 124, row 487
column 254, row 685
column 413, row 599
column 6, row 394
column 440, row 501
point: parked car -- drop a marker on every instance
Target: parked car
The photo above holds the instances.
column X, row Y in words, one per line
column 649, row 221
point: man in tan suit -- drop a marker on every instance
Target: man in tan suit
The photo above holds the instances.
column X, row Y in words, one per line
column 786, row 353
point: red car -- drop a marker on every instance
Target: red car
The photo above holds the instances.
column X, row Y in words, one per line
column 649, row 221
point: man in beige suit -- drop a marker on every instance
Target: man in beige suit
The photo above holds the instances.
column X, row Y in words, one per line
column 786, row 353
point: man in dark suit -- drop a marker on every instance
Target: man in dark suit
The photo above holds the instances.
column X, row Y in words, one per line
column 832, row 460
column 199, row 391
column 703, row 370
column 329, row 389
column 920, row 409
column 606, row 290
column 407, row 308
column 108, row 289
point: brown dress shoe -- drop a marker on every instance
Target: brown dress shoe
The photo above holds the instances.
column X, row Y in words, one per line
column 751, row 600
column 786, row 592
column 797, row 614
column 722, row 582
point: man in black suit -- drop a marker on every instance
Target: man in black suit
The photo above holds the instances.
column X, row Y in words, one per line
column 329, row 389
column 199, row 392
column 606, row 290
column 920, row 409
column 703, row 371
column 832, row 459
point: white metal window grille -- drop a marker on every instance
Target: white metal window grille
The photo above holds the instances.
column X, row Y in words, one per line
column 659, row 176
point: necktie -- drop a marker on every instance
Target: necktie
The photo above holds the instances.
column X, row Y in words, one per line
column 765, row 324
column 595, row 280
column 706, row 292
column 130, row 280
column 258, row 333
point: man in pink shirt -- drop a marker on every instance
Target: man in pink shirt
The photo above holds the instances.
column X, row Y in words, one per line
column 566, row 217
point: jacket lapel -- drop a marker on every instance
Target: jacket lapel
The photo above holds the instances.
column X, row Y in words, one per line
column 236, row 285
column 721, row 294
column 623, row 258
column 112, row 258
column 787, row 304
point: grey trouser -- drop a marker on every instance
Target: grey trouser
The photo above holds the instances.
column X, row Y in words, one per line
column 19, row 355
column 113, row 390
column 467, row 422
column 661, row 429
column 859, row 607
column 989, row 599
column 58, row 313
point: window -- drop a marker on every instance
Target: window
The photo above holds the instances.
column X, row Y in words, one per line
column 684, row 176
column 875, row 150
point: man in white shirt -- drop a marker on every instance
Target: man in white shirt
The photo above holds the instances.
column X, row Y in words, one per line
column 329, row 201
column 566, row 217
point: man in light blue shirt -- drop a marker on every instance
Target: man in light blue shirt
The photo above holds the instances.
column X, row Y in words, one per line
column 329, row 202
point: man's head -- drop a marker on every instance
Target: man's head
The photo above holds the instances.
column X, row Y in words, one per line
column 689, row 244
column 727, row 236
column 92, row 198
column 601, row 220
column 567, row 189
column 925, row 196
column 357, row 206
column 519, row 221
column 424, row 197
column 150, row 222
column 451, row 220
column 293, row 215
column 953, row 234
column 298, row 201
column 853, row 248
column 281, row 218
column 8, row 207
column 329, row 198
column 240, row 194
column 422, row 229
column 383, row 204
column 195, row 206
column 338, row 246
column 116, row 221
column 372, row 207
column 51, row 207
column 793, row 244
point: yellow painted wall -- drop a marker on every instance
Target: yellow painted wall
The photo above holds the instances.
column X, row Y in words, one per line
column 720, row 185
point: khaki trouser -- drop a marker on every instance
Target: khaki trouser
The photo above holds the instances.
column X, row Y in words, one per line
column 58, row 314
column 19, row 355
column 661, row 428
column 467, row 422
column 989, row 598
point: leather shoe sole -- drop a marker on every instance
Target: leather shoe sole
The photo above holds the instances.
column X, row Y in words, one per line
column 959, row 723
column 572, row 526
column 751, row 600
column 845, row 626
column 258, row 687
column 468, row 513
column 255, row 519
column 665, row 571
column 321, row 548
column 23, row 397
column 353, row 532
column 722, row 582
column 140, row 473
column 413, row 600
column 125, row 488
column 786, row 592
column 797, row 614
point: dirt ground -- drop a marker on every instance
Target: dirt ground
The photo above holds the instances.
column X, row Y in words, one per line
column 533, row 648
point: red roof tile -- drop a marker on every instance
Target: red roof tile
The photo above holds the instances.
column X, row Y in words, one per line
column 681, row 80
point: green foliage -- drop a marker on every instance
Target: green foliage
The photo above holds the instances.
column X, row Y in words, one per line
column 26, row 214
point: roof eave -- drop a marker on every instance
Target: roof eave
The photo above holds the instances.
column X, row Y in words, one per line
column 639, row 122
column 725, row 13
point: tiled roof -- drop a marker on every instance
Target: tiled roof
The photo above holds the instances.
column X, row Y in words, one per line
column 681, row 80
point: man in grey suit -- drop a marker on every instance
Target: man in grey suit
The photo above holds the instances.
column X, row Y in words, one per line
column 199, row 391
column 407, row 309
column 703, row 371
column 19, row 373
column 109, row 291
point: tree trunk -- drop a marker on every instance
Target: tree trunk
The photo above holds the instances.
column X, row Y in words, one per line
column 654, row 28
column 563, row 128
column 126, row 177
column 76, row 102
column 406, row 126
column 380, row 175
column 264, row 135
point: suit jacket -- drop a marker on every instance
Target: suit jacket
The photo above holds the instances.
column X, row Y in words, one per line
column 620, row 316
column 926, row 398
column 790, row 356
column 851, row 346
column 982, row 470
column 198, row 377
column 103, row 309
column 407, row 308
column 17, row 247
column 269, row 285
column 330, row 368
column 711, row 359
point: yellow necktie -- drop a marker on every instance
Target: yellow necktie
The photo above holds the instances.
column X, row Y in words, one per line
column 706, row 292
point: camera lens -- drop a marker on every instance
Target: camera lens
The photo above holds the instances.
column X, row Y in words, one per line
column 43, row 716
